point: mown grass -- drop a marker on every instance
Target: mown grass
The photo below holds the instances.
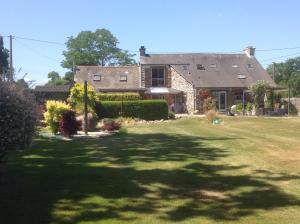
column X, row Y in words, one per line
column 246, row 170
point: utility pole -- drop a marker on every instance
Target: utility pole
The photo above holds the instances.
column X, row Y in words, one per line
column 274, row 69
column 85, row 108
column 11, row 76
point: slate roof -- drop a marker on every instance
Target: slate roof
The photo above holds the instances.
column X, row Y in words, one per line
column 221, row 70
column 56, row 89
column 110, row 77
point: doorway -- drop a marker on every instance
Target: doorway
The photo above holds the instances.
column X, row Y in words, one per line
column 220, row 98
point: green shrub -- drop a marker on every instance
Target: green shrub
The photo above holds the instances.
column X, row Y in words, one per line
column 53, row 114
column 239, row 108
column 118, row 96
column 18, row 117
column 249, row 106
column 143, row 109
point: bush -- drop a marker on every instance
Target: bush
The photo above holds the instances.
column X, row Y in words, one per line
column 77, row 95
column 17, row 117
column 92, row 121
column 209, row 104
column 171, row 115
column 68, row 124
column 53, row 114
column 239, row 108
column 110, row 125
column 143, row 109
column 249, row 107
column 211, row 115
column 118, row 96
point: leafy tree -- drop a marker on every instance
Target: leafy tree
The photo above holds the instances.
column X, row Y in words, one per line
column 55, row 79
column 3, row 60
column 69, row 76
column 95, row 48
column 288, row 74
column 258, row 92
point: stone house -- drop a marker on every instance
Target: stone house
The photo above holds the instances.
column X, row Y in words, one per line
column 179, row 78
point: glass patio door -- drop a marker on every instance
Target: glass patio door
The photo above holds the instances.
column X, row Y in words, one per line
column 222, row 101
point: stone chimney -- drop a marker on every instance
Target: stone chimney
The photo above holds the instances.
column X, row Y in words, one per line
column 250, row 51
column 142, row 51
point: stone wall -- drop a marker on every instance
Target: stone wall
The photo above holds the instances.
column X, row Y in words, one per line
column 180, row 83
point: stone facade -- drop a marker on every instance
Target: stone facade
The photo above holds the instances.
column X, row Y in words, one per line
column 180, row 83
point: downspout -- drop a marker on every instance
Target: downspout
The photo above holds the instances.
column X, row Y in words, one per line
column 194, row 92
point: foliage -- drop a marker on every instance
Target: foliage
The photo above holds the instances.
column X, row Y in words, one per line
column 118, row 96
column 55, row 79
column 209, row 104
column 110, row 125
column 249, row 107
column 53, row 114
column 239, row 107
column 288, row 74
column 17, row 117
column 211, row 115
column 258, row 91
column 68, row 125
column 143, row 109
column 171, row 115
column 92, row 120
column 95, row 48
column 122, row 131
column 76, row 98
column 4, row 66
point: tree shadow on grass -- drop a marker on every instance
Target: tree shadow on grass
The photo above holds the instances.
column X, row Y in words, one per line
column 112, row 178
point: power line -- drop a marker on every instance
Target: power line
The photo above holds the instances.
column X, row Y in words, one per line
column 283, row 56
column 35, row 51
column 37, row 40
column 279, row 49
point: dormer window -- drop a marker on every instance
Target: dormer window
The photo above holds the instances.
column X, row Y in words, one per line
column 235, row 66
column 250, row 66
column 123, row 78
column 185, row 67
column 97, row 78
column 200, row 67
column 241, row 76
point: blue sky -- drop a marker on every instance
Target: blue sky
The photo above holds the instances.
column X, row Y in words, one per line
column 160, row 25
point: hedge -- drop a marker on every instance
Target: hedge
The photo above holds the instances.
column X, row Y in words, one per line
column 143, row 109
column 118, row 96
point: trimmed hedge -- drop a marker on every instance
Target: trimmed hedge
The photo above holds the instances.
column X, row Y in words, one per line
column 143, row 109
column 118, row 96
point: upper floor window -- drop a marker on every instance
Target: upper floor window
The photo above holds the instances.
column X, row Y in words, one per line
column 200, row 67
column 158, row 77
column 250, row 66
column 235, row 66
column 213, row 65
column 97, row 77
column 123, row 78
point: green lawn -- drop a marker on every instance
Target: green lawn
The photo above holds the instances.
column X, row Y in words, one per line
column 246, row 170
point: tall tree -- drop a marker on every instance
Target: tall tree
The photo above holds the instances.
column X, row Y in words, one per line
column 95, row 48
column 288, row 74
column 3, row 60
column 55, row 79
